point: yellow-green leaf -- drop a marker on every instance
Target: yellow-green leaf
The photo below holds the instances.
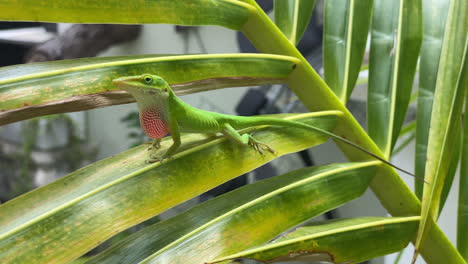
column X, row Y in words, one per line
column 37, row 89
column 61, row 221
column 227, row 13
column 462, row 223
column 452, row 167
column 342, row 241
column 435, row 15
column 451, row 84
column 292, row 17
column 221, row 226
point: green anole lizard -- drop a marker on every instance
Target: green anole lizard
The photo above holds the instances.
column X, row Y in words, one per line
column 162, row 112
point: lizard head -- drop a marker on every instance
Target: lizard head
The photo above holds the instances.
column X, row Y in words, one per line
column 145, row 84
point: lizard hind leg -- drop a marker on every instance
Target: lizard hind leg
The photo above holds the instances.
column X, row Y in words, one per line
column 259, row 146
column 246, row 139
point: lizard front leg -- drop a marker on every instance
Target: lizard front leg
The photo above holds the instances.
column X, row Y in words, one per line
column 156, row 144
column 246, row 139
column 175, row 134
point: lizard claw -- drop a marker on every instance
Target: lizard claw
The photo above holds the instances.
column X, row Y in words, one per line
column 156, row 144
column 153, row 159
column 260, row 146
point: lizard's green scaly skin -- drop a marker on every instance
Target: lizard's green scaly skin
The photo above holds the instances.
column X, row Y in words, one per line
column 161, row 111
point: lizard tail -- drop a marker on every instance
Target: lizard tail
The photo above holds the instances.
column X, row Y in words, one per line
column 259, row 121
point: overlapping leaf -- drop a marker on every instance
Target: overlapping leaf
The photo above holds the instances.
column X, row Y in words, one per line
column 407, row 134
column 63, row 220
column 343, row 241
column 392, row 192
column 395, row 43
column 221, row 226
column 227, row 13
column 292, row 17
column 462, row 221
column 344, row 41
column 452, row 80
column 435, row 15
column 266, row 38
column 32, row 90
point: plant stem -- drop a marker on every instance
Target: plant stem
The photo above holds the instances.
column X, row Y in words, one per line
column 387, row 185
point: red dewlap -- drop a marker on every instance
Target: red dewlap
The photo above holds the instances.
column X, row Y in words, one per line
column 152, row 122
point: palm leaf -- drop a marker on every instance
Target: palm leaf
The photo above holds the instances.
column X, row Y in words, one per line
column 81, row 84
column 343, row 241
column 220, row 226
column 452, row 80
column 395, row 43
column 292, row 17
column 227, row 13
column 462, row 221
column 435, row 14
column 345, row 35
column 63, row 220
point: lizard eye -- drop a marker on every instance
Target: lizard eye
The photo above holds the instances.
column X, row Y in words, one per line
column 148, row 79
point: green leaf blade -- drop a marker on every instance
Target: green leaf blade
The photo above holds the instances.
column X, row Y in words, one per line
column 395, row 44
column 452, row 167
column 292, row 17
column 65, row 219
column 37, row 89
column 346, row 28
column 462, row 221
column 342, row 241
column 226, row 13
column 452, row 80
column 219, row 226
column 435, row 15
